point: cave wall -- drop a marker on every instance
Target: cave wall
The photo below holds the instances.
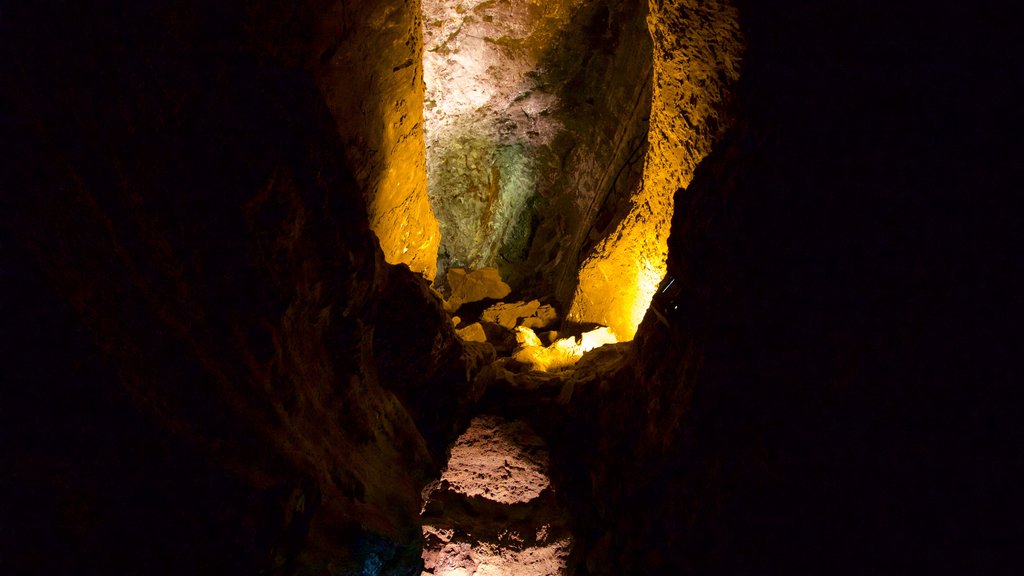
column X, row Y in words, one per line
column 556, row 137
column 488, row 115
column 595, row 164
column 824, row 387
column 536, row 119
column 201, row 369
column 367, row 60
column 696, row 62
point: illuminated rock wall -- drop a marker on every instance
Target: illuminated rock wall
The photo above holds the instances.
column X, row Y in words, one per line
column 697, row 46
column 488, row 113
column 366, row 57
column 208, row 365
column 827, row 390
column 597, row 161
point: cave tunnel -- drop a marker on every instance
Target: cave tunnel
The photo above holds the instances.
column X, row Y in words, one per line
column 486, row 287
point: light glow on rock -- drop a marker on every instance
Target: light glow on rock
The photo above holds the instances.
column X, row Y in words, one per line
column 494, row 513
column 562, row 353
column 486, row 114
column 697, row 49
column 499, row 460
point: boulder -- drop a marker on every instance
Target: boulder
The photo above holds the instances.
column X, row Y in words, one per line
column 472, row 333
column 474, row 286
column 508, row 314
column 526, row 337
column 545, row 317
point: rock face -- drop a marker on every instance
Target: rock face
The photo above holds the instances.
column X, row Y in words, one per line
column 487, row 115
column 209, row 366
column 202, row 367
column 536, row 120
column 558, row 134
column 501, row 461
column 494, row 510
column 379, row 51
column 367, row 59
column 474, row 286
column 823, row 389
column 697, row 50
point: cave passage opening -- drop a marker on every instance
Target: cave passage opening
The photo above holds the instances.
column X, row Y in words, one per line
column 536, row 129
column 556, row 137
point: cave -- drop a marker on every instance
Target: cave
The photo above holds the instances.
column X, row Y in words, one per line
column 488, row 287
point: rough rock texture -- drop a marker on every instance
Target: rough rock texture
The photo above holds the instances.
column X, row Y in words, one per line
column 697, row 49
column 422, row 361
column 536, row 118
column 499, row 460
column 367, row 60
column 826, row 390
column 472, row 333
column 487, row 114
column 544, row 317
column 208, row 367
column 508, row 314
column 595, row 164
column 562, row 353
column 465, row 287
column 494, row 511
column 199, row 334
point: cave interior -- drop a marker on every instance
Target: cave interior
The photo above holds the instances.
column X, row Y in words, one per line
column 508, row 287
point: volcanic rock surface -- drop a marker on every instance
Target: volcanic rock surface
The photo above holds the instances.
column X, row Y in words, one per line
column 203, row 367
column 494, row 510
column 209, row 365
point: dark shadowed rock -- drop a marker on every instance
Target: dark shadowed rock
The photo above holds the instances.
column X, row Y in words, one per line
column 202, row 374
column 474, row 286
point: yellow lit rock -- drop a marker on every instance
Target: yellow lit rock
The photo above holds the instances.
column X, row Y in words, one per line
column 697, row 49
column 372, row 80
column 474, row 286
column 562, row 353
column 472, row 333
column 487, row 114
column 508, row 314
column 526, row 337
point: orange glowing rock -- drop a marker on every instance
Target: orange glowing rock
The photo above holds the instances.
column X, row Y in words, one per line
column 472, row 333
column 474, row 286
column 508, row 315
column 499, row 460
column 545, row 317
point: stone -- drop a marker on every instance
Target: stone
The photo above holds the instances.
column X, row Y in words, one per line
column 526, row 337
column 474, row 286
column 472, row 333
column 501, row 460
column 697, row 48
column 508, row 314
column 544, row 317
column 207, row 374
column 367, row 64
column 487, row 112
column 494, row 512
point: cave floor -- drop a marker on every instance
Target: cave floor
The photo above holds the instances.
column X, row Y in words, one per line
column 495, row 510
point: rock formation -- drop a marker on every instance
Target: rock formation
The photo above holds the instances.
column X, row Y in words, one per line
column 354, row 49
column 697, row 51
column 220, row 351
column 203, row 371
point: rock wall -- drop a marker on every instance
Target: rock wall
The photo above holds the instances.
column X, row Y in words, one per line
column 823, row 385
column 367, row 60
column 200, row 370
column 488, row 116
column 697, row 50
column 536, row 119
column 596, row 163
